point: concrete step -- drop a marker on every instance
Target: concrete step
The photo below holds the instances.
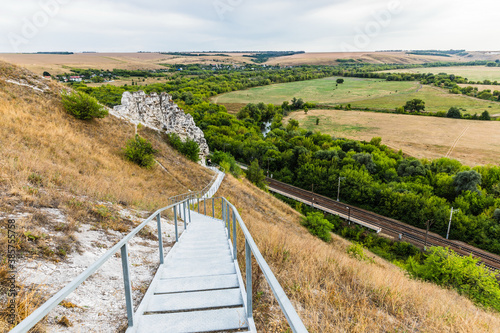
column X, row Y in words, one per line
column 195, row 321
column 198, row 283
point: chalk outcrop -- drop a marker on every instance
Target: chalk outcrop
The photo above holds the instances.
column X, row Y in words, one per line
column 159, row 112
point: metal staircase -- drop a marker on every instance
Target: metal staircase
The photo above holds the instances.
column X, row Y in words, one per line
column 198, row 286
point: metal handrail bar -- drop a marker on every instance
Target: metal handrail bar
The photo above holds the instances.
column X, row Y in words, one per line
column 45, row 308
column 230, row 214
column 201, row 193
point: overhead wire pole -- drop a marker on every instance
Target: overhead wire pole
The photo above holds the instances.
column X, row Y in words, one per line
column 312, row 198
column 449, row 223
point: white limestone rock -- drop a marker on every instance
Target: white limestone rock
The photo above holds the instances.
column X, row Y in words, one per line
column 161, row 113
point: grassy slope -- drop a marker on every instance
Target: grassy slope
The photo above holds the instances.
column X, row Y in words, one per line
column 320, row 91
column 336, row 293
column 361, row 93
column 51, row 160
column 436, row 99
column 331, row 291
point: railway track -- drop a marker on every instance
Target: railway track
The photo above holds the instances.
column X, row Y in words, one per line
column 390, row 227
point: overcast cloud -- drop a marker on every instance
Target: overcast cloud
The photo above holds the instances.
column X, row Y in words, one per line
column 197, row 25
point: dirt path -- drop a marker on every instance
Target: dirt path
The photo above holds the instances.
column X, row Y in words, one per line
column 448, row 154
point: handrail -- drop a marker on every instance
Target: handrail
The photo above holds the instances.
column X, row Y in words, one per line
column 45, row 308
column 201, row 193
column 229, row 212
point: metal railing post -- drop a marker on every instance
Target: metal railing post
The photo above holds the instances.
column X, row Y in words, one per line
column 175, row 223
column 234, row 235
column 184, row 212
column 198, row 205
column 189, row 211
column 160, row 240
column 205, row 206
column 213, row 207
column 128, row 287
column 248, row 259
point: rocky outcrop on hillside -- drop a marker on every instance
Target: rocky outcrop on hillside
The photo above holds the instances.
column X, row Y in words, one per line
column 159, row 112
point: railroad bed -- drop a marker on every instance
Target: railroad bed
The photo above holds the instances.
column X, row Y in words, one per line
column 387, row 226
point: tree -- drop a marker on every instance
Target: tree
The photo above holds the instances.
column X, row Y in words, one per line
column 297, row 103
column 189, row 148
column 46, row 73
column 83, row 106
column 317, row 121
column 467, row 181
column 411, row 167
column 140, row 151
column 415, row 105
column 306, row 110
column 340, row 81
column 496, row 215
column 485, row 116
column 256, row 175
column 454, row 112
column 366, row 160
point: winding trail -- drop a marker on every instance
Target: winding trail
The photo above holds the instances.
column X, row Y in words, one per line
column 448, row 154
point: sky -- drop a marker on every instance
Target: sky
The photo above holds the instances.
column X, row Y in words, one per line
column 248, row 25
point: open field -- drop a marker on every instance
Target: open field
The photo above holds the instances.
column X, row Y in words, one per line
column 319, row 91
column 418, row 136
column 58, row 64
column 360, row 93
column 474, row 73
column 330, row 58
column 436, row 99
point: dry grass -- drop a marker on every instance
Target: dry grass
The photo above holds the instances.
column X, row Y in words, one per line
column 336, row 293
column 418, row 136
column 51, row 160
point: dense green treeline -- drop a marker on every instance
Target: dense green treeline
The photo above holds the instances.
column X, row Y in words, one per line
column 193, row 90
column 372, row 176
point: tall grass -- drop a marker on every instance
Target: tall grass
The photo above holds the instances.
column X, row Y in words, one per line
column 335, row 292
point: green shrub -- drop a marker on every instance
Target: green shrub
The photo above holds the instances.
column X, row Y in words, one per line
column 140, row 151
column 82, row 106
column 447, row 268
column 256, row 175
column 189, row 148
column 454, row 112
column 318, row 225
column 355, row 250
column 227, row 161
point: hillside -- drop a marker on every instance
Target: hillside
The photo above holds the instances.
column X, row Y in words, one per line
column 53, row 163
column 67, row 184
